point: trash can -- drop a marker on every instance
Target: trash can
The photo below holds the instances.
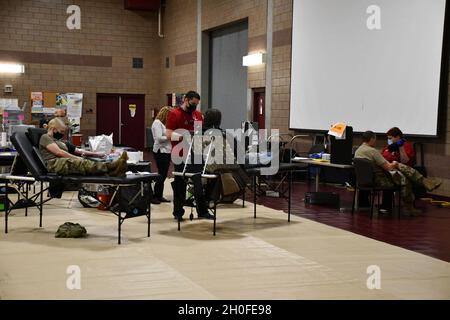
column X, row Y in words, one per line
column 77, row 139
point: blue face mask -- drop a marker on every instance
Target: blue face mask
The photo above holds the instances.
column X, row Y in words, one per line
column 390, row 141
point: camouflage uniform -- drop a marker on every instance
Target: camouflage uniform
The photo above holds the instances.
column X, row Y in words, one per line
column 71, row 166
column 405, row 176
column 77, row 166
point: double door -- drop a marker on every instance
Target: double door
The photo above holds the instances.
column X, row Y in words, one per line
column 124, row 116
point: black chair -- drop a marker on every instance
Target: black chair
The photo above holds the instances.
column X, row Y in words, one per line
column 365, row 181
column 23, row 143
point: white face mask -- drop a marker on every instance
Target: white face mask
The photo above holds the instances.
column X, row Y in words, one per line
column 390, row 141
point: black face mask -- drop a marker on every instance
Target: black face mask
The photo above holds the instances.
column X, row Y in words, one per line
column 192, row 107
column 58, row 135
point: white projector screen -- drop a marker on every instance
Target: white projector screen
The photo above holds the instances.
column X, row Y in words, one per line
column 372, row 64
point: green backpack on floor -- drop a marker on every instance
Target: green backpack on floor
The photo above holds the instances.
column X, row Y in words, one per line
column 71, row 230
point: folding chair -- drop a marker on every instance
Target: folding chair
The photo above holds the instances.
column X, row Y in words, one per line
column 188, row 176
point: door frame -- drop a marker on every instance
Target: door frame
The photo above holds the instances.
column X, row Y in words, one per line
column 253, row 113
column 119, row 95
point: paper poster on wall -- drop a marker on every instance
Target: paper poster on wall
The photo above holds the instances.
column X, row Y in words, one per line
column 74, row 105
column 37, row 102
column 49, row 110
column 132, row 108
column 37, row 97
column 37, row 109
column 74, row 124
column 49, row 99
column 61, row 100
column 9, row 104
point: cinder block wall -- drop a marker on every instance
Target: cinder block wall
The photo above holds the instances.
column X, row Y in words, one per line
column 179, row 46
column 36, row 31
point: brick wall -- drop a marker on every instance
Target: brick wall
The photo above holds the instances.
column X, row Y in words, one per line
column 179, row 45
column 107, row 30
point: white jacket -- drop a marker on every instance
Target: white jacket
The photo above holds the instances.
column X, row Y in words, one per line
column 162, row 143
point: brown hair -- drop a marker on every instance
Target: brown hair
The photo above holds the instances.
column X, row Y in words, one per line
column 395, row 132
column 162, row 114
column 368, row 135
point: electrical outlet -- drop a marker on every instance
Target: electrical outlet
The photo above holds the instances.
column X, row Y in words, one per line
column 8, row 88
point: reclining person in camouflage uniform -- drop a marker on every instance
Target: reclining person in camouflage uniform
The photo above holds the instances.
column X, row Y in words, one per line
column 60, row 161
column 390, row 174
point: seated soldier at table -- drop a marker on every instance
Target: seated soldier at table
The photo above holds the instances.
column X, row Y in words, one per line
column 391, row 174
column 60, row 161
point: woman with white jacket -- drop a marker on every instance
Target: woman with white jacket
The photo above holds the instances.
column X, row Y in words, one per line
column 162, row 149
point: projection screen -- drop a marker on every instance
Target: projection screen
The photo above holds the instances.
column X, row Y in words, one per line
column 372, row 64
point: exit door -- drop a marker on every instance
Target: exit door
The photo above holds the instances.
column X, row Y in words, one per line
column 124, row 116
column 259, row 107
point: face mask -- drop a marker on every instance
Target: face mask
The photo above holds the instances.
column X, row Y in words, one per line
column 192, row 107
column 58, row 135
column 390, row 141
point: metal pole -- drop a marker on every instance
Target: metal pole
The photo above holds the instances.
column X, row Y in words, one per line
column 41, row 204
column 26, row 199
column 290, row 195
column 317, row 179
column 149, row 210
column 6, row 206
column 254, row 196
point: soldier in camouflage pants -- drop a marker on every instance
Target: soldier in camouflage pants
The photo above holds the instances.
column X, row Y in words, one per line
column 405, row 176
column 392, row 174
column 58, row 160
column 78, row 166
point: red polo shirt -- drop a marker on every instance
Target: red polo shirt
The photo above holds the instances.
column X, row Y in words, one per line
column 180, row 119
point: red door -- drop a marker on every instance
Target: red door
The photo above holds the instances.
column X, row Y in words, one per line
column 124, row 116
column 108, row 115
column 133, row 121
column 259, row 107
